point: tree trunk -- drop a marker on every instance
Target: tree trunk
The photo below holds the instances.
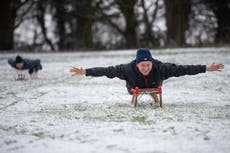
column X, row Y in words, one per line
column 7, row 17
column 60, row 16
column 127, row 8
column 41, row 8
column 222, row 10
column 177, row 13
column 223, row 19
column 83, row 34
column 148, row 36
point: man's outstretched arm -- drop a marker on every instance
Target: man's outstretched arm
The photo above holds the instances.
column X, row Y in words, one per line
column 110, row 71
column 172, row 70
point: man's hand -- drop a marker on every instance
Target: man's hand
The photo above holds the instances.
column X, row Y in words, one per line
column 77, row 70
column 215, row 67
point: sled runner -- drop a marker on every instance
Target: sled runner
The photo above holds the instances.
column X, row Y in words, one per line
column 156, row 93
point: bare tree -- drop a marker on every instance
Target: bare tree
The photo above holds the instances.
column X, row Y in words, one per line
column 126, row 10
column 222, row 10
column 83, row 32
column 149, row 38
column 60, row 15
column 177, row 16
column 8, row 15
column 41, row 10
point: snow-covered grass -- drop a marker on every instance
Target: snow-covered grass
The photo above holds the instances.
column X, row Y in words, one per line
column 64, row 114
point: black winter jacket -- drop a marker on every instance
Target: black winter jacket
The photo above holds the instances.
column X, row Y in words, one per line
column 160, row 71
column 30, row 65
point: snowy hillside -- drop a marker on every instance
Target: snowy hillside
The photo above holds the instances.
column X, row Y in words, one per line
column 58, row 113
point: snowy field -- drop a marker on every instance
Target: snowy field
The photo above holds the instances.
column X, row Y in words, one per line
column 58, row 113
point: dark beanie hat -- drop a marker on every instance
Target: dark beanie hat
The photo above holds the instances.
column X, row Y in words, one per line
column 19, row 59
column 143, row 54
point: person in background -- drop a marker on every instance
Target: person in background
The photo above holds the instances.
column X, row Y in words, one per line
column 20, row 64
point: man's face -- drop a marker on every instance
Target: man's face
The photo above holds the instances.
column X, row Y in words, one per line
column 20, row 65
column 145, row 67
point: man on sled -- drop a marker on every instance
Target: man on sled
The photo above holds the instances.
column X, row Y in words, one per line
column 145, row 74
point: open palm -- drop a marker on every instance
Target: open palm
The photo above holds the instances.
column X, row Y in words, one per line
column 215, row 67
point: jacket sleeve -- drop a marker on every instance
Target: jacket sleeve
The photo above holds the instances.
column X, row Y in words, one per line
column 168, row 70
column 110, row 72
column 12, row 63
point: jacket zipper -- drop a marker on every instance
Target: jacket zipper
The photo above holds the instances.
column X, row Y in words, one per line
column 146, row 81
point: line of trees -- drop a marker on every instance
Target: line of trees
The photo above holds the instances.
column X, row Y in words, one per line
column 113, row 24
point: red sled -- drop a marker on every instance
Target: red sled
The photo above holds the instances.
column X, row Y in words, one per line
column 156, row 93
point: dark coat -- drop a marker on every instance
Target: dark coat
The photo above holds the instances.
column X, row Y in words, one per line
column 30, row 65
column 160, row 71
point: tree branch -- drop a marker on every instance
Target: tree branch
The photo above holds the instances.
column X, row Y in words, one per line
column 20, row 4
column 21, row 19
column 106, row 18
column 40, row 17
column 155, row 12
